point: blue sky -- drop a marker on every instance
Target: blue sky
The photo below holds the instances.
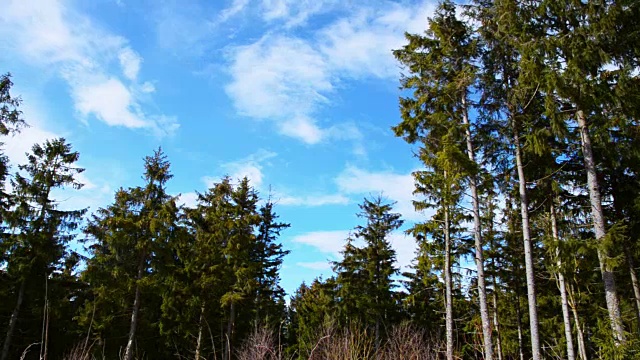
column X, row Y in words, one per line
column 298, row 95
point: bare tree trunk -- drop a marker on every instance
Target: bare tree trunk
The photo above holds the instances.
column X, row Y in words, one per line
column 12, row 322
column 477, row 234
column 447, row 282
column 608, row 278
column 571, row 355
column 634, row 283
column 128, row 352
column 230, row 325
column 528, row 249
column 200, row 326
column 519, row 324
column 582, row 349
column 496, row 322
column 44, row 341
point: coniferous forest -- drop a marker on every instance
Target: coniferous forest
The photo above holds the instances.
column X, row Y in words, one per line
column 525, row 118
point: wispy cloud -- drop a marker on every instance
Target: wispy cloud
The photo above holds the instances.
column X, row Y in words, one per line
column 281, row 79
column 332, row 243
column 250, row 167
column 315, row 265
column 290, row 79
column 396, row 187
column 327, row 242
column 49, row 34
column 312, row 200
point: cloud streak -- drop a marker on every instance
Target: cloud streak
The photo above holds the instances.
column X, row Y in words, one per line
column 289, row 79
column 48, row 34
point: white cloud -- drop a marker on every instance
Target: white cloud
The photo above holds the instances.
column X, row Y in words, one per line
column 396, row 187
column 313, row 200
column 49, row 35
column 295, row 12
column 109, row 101
column 315, row 265
column 130, row 62
column 328, row 242
column 405, row 247
column 236, row 7
column 189, row 199
column 282, row 79
column 332, row 243
column 287, row 79
column 250, row 167
column 361, row 45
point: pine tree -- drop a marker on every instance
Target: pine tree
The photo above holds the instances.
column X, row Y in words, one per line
column 39, row 231
column 237, row 253
column 268, row 256
column 131, row 238
column 379, row 264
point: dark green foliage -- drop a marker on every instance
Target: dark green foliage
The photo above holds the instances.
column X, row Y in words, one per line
column 526, row 81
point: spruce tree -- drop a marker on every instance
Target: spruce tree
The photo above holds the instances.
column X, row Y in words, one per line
column 38, row 230
column 130, row 239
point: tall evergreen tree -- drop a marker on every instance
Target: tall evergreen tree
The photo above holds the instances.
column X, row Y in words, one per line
column 131, row 238
column 39, row 231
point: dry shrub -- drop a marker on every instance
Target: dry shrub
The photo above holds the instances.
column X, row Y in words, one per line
column 407, row 342
column 81, row 351
column 261, row 345
column 349, row 344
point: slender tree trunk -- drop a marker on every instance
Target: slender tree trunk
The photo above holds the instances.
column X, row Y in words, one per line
column 128, row 352
column 496, row 322
column 230, row 326
column 519, row 324
column 200, row 327
column 44, row 341
column 477, row 234
column 12, row 322
column 571, row 355
column 528, row 249
column 634, row 283
column 597, row 214
column 447, row 281
column 582, row 349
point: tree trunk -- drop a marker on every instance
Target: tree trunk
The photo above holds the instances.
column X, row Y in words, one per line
column 528, row 249
column 477, row 234
column 447, row 282
column 200, row 326
column 496, row 322
column 12, row 322
column 597, row 214
column 571, row 355
column 634, row 283
column 230, row 325
column 582, row 349
column 519, row 324
column 128, row 352
column 44, row 341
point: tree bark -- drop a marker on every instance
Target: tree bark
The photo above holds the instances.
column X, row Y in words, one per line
column 477, row 235
column 528, row 249
column 230, row 326
column 597, row 214
column 519, row 324
column 634, row 283
column 128, row 353
column 12, row 322
column 582, row 349
column 200, row 326
column 497, row 322
column 447, row 282
column 571, row 355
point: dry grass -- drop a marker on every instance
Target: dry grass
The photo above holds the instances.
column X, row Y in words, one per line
column 405, row 342
column 82, row 351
